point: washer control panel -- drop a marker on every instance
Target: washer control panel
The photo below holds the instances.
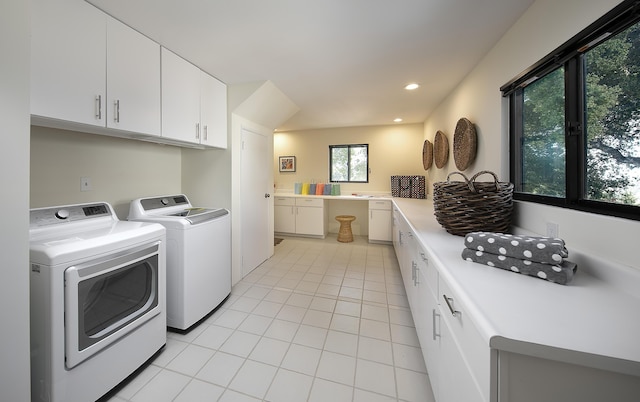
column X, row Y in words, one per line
column 165, row 202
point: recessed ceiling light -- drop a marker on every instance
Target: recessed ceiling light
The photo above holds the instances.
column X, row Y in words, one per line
column 412, row 86
column 397, row 120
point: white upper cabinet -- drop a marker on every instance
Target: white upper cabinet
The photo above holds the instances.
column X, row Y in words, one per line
column 68, row 61
column 89, row 68
column 194, row 104
column 180, row 98
column 133, row 80
column 92, row 73
column 213, row 111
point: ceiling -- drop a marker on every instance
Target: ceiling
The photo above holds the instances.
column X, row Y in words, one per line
column 342, row 62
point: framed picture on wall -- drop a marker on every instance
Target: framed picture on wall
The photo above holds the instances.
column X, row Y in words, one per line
column 287, row 163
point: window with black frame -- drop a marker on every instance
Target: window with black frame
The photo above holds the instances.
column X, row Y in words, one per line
column 349, row 163
column 575, row 121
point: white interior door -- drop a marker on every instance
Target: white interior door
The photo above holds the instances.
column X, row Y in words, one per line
column 256, row 195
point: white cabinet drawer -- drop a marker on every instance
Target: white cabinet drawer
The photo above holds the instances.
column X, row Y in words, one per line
column 309, row 202
column 284, row 201
column 380, row 204
column 429, row 272
column 475, row 352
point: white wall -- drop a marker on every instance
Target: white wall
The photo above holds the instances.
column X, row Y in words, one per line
column 393, row 150
column 14, row 180
column 545, row 26
column 120, row 169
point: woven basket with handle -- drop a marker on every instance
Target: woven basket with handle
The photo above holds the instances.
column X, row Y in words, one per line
column 470, row 206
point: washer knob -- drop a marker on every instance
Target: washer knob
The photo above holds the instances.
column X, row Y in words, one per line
column 62, row 214
column 164, row 201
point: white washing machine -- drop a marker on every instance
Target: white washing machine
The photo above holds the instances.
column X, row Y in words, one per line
column 97, row 300
column 198, row 255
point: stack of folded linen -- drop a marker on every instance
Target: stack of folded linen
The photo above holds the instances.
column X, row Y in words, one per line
column 542, row 257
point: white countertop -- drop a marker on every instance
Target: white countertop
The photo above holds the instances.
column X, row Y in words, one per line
column 361, row 197
column 592, row 321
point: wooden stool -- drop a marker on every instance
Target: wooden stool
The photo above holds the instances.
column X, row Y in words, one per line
column 344, row 234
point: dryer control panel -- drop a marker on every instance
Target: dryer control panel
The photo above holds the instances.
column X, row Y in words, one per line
column 69, row 213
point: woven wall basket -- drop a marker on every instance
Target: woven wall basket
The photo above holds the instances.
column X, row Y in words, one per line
column 470, row 206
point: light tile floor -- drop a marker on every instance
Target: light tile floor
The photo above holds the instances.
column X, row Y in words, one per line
column 319, row 321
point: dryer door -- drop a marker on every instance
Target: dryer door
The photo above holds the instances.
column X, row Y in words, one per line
column 107, row 298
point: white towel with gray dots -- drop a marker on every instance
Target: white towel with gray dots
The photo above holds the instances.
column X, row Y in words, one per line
column 547, row 250
column 561, row 273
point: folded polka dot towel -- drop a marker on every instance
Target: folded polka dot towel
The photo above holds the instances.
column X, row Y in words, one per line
column 561, row 273
column 547, row 250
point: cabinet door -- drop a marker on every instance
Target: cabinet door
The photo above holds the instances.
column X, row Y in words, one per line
column 68, row 61
column 310, row 221
column 180, row 98
column 213, row 111
column 427, row 322
column 455, row 380
column 464, row 347
column 133, row 80
column 395, row 228
column 284, row 219
column 380, row 225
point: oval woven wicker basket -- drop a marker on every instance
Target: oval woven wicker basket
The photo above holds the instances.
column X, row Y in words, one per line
column 470, row 206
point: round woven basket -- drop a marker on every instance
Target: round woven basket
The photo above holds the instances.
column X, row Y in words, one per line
column 464, row 144
column 470, row 206
column 427, row 154
column 440, row 149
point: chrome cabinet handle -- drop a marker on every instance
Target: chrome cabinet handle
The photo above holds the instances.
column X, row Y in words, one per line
column 99, row 107
column 448, row 300
column 197, row 131
column 424, row 258
column 116, row 116
column 206, row 132
column 434, row 321
column 413, row 272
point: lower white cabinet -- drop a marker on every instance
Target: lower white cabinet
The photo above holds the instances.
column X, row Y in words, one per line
column 461, row 364
column 456, row 358
column 300, row 216
column 380, row 221
column 465, row 356
column 284, row 215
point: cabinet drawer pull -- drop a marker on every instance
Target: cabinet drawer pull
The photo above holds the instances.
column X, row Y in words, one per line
column 434, row 319
column 448, row 300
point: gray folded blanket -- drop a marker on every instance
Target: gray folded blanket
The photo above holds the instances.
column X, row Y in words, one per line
column 547, row 250
column 561, row 273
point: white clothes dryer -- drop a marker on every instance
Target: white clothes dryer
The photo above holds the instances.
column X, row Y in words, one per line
column 97, row 300
column 198, row 255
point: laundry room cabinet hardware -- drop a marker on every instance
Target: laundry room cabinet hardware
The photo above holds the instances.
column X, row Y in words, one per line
column 449, row 301
column 99, row 107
